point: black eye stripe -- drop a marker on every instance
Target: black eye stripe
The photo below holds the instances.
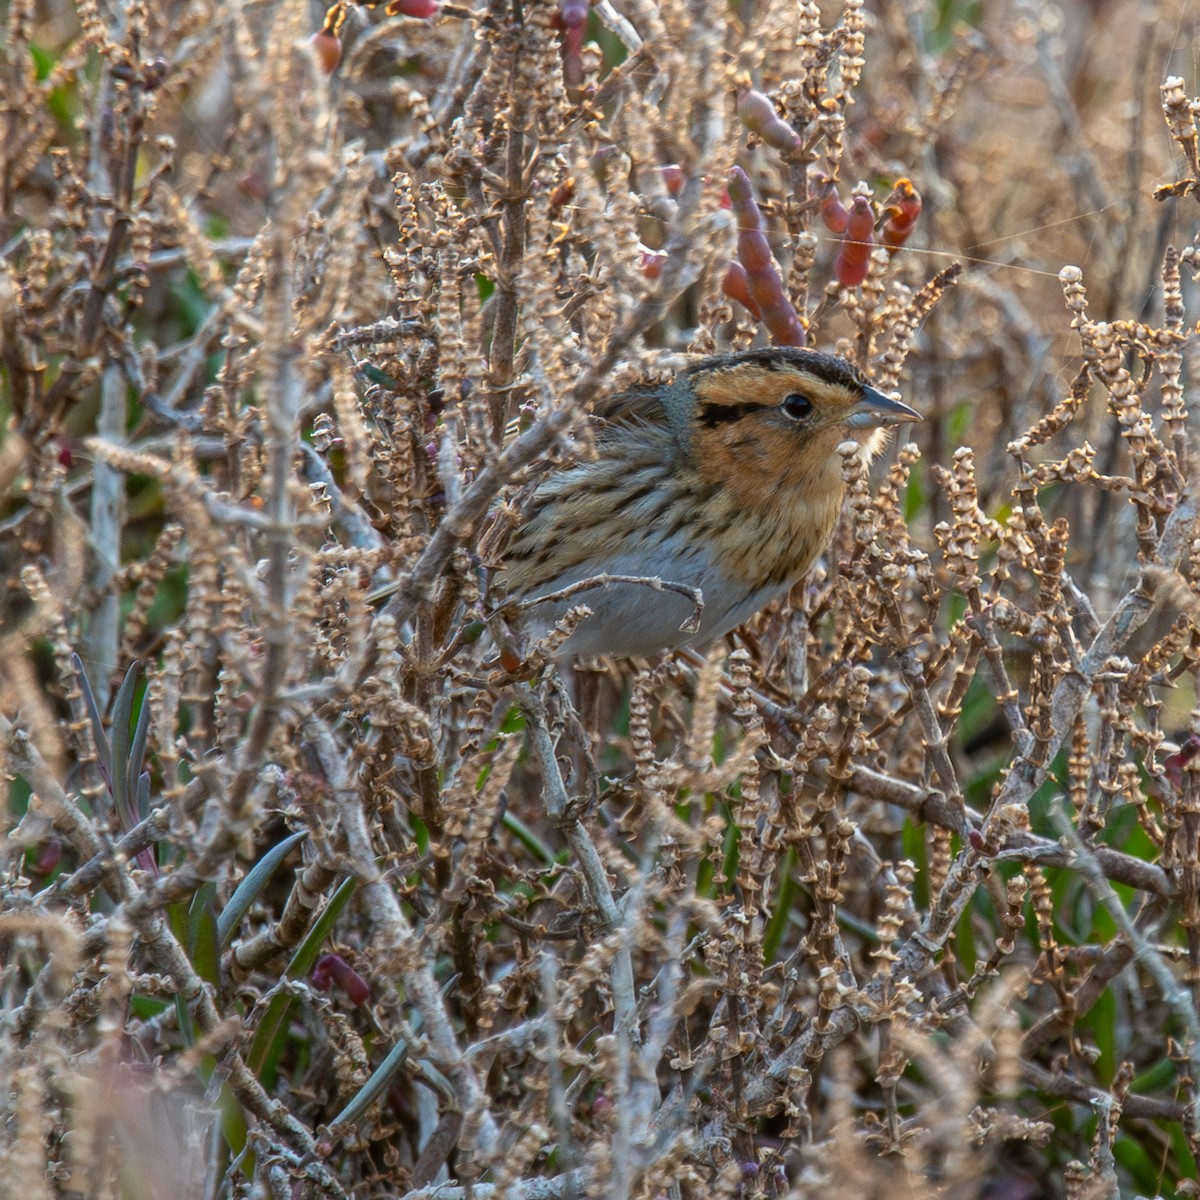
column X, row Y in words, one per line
column 795, row 405
column 712, row 415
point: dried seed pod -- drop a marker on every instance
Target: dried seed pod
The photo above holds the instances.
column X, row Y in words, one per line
column 1181, row 120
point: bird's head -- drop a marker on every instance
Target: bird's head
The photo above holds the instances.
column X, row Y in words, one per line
column 773, row 418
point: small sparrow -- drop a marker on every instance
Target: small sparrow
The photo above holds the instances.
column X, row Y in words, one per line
column 727, row 480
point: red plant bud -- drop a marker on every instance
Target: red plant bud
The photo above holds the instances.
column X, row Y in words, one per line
column 833, row 211
column 860, row 224
column 422, row 9
column 331, row 969
column 847, row 272
column 762, row 279
column 901, row 208
column 327, row 49
column 653, row 262
column 563, row 194
column 736, row 286
column 672, row 177
column 854, row 255
column 510, row 660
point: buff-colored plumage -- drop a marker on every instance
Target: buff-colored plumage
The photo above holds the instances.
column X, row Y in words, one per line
column 727, row 480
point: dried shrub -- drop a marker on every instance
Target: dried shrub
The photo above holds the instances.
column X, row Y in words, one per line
column 316, row 882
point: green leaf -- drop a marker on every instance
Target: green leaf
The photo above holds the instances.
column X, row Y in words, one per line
column 784, row 894
column 272, row 1028
column 205, row 953
column 965, row 943
column 958, row 423
column 370, row 1091
column 43, row 63
column 912, row 841
column 733, row 836
column 1155, row 1078
column 380, row 378
column 537, row 848
column 1143, row 1166
column 251, row 887
column 1183, row 1153
column 99, row 737
column 915, row 497
column 137, row 754
column 122, row 745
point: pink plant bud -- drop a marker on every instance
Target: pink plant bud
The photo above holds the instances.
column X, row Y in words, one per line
column 573, row 13
column 736, row 286
column 754, row 254
column 854, row 255
column 1174, row 764
column 253, row 184
column 49, row 854
column 572, row 52
column 331, row 969
column 860, row 224
column 758, row 114
column 833, row 211
column 901, row 208
column 423, row 9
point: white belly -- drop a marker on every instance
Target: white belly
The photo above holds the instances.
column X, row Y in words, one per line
column 635, row 619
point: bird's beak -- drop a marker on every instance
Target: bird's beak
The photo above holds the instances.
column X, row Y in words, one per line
column 874, row 409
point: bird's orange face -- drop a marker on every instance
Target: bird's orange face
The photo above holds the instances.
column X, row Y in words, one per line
column 768, row 430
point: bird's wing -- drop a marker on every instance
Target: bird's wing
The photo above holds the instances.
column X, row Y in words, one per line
column 639, row 405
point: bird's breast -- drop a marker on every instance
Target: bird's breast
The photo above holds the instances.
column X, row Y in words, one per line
column 773, row 545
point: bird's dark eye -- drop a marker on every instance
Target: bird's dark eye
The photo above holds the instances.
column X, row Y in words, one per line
column 797, row 406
